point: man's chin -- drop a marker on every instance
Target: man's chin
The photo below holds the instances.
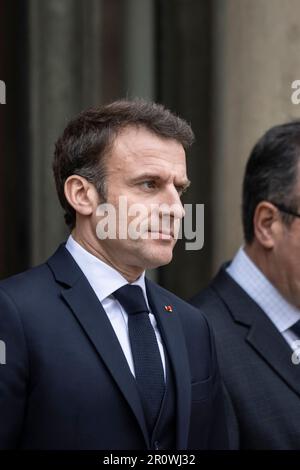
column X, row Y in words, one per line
column 159, row 259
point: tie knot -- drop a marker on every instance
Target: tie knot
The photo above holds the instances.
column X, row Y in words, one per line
column 132, row 299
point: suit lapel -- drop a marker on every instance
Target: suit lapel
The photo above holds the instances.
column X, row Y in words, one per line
column 89, row 312
column 270, row 344
column 261, row 335
column 172, row 335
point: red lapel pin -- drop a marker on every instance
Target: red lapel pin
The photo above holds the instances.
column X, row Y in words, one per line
column 168, row 308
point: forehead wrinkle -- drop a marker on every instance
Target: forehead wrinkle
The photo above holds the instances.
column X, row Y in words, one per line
column 150, row 155
column 147, row 150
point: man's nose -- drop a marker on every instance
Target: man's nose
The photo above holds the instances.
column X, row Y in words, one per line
column 172, row 205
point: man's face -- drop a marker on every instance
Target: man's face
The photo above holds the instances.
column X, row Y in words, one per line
column 148, row 170
column 286, row 257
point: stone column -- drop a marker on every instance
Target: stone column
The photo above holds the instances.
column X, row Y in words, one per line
column 14, row 155
column 183, row 62
column 65, row 52
column 2, row 133
column 256, row 58
column 139, row 49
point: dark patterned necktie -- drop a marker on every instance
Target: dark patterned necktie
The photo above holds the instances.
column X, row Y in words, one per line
column 148, row 366
column 296, row 328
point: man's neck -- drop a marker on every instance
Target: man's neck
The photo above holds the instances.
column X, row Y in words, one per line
column 258, row 257
column 130, row 273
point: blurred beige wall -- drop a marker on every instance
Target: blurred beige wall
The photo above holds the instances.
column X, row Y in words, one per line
column 256, row 59
column 224, row 65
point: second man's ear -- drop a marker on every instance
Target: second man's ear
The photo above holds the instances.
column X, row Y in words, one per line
column 267, row 224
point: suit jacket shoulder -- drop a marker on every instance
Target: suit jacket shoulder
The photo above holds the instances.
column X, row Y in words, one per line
column 262, row 384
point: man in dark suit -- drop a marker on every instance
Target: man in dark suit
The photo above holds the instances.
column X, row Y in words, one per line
column 253, row 304
column 98, row 356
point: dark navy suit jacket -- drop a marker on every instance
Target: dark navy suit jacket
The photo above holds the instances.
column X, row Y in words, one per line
column 66, row 383
column 261, row 383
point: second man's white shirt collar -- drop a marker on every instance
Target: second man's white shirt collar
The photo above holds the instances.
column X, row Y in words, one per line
column 261, row 290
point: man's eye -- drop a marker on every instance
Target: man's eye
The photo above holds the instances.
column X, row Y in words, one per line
column 148, row 184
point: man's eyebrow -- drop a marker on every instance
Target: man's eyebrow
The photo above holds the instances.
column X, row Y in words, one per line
column 153, row 176
column 147, row 176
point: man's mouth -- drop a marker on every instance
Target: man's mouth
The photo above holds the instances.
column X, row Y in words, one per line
column 161, row 234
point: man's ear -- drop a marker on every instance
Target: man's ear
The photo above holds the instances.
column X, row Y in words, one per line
column 81, row 194
column 267, row 223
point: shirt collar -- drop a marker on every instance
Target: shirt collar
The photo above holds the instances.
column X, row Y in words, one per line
column 242, row 269
column 104, row 279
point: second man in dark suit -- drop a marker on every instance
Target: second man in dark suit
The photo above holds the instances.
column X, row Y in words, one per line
column 253, row 304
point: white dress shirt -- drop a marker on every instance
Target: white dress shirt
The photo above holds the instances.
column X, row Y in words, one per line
column 105, row 280
column 259, row 288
